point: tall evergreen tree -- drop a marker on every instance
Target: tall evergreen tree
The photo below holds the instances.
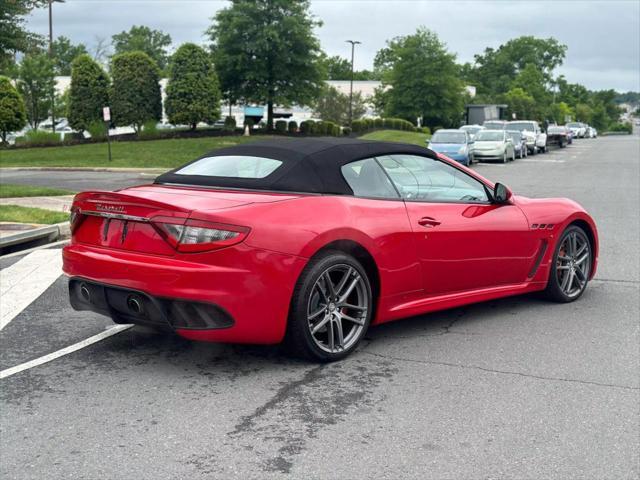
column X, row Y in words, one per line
column 193, row 92
column 88, row 94
column 135, row 91
column 13, row 115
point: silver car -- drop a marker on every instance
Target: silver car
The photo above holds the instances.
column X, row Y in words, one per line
column 494, row 145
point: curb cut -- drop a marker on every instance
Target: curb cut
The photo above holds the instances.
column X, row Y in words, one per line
column 48, row 233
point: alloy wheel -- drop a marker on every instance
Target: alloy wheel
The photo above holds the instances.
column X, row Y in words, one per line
column 337, row 308
column 573, row 263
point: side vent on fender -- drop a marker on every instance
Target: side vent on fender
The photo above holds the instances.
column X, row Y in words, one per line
column 542, row 226
column 541, row 251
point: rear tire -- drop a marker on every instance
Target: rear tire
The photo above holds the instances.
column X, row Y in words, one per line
column 570, row 266
column 331, row 308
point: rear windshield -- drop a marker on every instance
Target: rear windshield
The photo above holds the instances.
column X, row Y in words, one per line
column 449, row 137
column 556, row 129
column 235, row 166
column 522, row 126
column 574, row 125
column 494, row 125
column 487, row 135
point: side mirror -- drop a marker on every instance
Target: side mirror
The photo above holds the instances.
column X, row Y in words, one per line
column 502, row 194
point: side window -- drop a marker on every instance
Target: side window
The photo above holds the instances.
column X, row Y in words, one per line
column 423, row 178
column 367, row 179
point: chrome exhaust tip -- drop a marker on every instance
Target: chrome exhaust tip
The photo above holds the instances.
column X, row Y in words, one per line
column 134, row 305
column 85, row 293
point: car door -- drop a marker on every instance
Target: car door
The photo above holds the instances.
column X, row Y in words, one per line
column 463, row 241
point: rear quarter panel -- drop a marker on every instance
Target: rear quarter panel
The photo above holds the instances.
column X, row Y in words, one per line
column 303, row 226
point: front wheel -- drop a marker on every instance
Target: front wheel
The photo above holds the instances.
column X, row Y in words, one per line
column 571, row 266
column 331, row 308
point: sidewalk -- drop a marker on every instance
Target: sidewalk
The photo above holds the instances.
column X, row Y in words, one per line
column 57, row 204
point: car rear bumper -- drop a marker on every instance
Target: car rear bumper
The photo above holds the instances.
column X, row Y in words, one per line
column 241, row 294
column 488, row 155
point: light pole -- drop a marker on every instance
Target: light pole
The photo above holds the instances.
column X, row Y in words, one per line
column 53, row 90
column 353, row 47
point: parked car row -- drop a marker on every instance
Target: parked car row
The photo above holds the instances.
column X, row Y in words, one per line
column 582, row 130
column 499, row 140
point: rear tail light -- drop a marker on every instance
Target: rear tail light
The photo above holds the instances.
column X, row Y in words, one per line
column 199, row 235
column 75, row 218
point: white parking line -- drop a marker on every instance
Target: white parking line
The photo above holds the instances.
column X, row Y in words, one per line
column 65, row 351
column 25, row 280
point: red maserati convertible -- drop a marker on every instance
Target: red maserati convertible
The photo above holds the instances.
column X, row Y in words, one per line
column 311, row 241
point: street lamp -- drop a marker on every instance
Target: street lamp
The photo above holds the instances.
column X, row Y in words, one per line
column 53, row 91
column 353, row 46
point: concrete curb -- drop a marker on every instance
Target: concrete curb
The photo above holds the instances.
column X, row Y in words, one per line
column 48, row 233
column 90, row 169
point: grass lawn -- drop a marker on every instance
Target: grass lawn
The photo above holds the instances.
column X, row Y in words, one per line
column 8, row 190
column 16, row 214
column 398, row 136
column 142, row 154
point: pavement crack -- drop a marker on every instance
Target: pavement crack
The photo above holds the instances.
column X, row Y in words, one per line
column 502, row 372
column 615, row 280
column 281, row 395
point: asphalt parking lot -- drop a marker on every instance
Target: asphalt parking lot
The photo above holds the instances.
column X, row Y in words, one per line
column 517, row 388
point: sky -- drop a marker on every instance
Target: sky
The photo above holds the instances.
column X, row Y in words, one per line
column 603, row 37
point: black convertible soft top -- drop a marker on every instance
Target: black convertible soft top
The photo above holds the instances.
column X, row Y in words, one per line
column 310, row 165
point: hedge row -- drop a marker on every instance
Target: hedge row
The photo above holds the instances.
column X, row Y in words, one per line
column 360, row 126
column 309, row 127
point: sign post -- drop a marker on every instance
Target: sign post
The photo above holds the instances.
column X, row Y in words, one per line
column 106, row 116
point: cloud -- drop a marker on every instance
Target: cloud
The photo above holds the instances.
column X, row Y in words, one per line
column 603, row 37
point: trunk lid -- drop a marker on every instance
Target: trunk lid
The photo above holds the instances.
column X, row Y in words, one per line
column 124, row 220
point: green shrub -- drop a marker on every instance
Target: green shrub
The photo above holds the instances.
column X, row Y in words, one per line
column 292, row 127
column 39, row 138
column 149, row 129
column 425, row 130
column 305, row 127
column 435, row 129
column 346, row 131
column 250, row 122
column 621, row 127
column 358, row 126
column 337, row 131
column 98, row 130
column 281, row 126
column 230, row 124
column 378, row 122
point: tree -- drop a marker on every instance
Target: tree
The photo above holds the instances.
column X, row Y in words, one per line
column 193, row 93
column 496, row 69
column 423, row 80
column 36, row 81
column 265, row 51
column 333, row 106
column 13, row 36
column 12, row 112
column 583, row 113
column 338, row 68
column 135, row 91
column 143, row 39
column 559, row 112
column 519, row 103
column 63, row 53
column 88, row 94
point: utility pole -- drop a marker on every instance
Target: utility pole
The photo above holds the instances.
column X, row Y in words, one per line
column 353, row 46
column 53, row 90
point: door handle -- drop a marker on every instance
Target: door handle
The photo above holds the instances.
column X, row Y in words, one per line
column 428, row 222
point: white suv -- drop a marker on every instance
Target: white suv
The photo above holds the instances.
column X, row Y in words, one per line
column 536, row 139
